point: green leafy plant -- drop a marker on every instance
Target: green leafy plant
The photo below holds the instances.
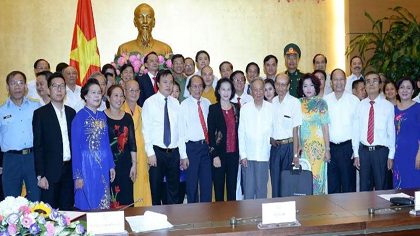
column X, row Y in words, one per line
column 396, row 50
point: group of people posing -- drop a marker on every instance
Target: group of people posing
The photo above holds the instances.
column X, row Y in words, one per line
column 154, row 138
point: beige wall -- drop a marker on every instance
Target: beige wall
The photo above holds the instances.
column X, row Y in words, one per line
column 236, row 30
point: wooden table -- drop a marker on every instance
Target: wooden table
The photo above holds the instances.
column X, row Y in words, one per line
column 335, row 214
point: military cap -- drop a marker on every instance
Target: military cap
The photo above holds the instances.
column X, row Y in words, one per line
column 292, row 48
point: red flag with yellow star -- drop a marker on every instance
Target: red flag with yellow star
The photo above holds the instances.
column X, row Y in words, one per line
column 84, row 55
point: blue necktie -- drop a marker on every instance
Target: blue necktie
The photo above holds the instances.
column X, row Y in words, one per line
column 166, row 125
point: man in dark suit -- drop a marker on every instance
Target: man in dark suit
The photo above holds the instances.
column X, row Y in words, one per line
column 51, row 126
column 147, row 81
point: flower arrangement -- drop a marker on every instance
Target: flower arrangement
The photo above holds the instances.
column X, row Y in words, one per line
column 136, row 59
column 19, row 216
column 114, row 202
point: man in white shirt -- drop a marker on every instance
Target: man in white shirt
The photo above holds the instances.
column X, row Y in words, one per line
column 320, row 63
column 39, row 66
column 255, row 126
column 341, row 108
column 72, row 90
column 241, row 97
column 160, row 117
column 356, row 66
column 225, row 69
column 287, row 117
column 374, row 137
column 102, row 83
column 194, row 146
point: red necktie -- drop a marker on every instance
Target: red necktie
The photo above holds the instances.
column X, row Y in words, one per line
column 155, row 84
column 371, row 124
column 239, row 102
column 203, row 123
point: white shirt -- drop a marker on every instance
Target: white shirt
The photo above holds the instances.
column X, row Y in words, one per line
column 190, row 124
column 341, row 112
column 151, row 78
column 32, row 93
column 72, row 98
column 153, row 122
column 286, row 116
column 349, row 82
column 61, row 116
column 254, row 131
column 245, row 98
column 187, row 93
column 384, row 129
column 417, row 99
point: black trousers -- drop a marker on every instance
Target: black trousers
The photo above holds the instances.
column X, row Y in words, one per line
column 373, row 169
column 341, row 171
column 167, row 163
column 281, row 158
column 227, row 172
column 61, row 194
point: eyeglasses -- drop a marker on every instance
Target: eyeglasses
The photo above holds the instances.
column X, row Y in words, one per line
column 239, row 80
column 374, row 81
column 14, row 83
column 58, row 86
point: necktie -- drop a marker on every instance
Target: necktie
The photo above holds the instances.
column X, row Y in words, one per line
column 239, row 102
column 203, row 123
column 166, row 125
column 371, row 124
column 155, row 84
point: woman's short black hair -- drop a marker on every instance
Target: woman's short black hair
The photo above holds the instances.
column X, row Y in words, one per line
column 114, row 86
column 125, row 66
column 322, row 72
column 314, row 80
column 85, row 88
column 406, row 79
column 270, row 81
column 219, row 84
column 109, row 66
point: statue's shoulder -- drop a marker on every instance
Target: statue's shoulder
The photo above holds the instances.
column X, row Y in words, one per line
column 164, row 46
column 125, row 47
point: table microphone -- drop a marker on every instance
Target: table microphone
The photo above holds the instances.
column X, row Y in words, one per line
column 138, row 200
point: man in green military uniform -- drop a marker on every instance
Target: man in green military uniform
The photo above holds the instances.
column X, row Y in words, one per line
column 291, row 56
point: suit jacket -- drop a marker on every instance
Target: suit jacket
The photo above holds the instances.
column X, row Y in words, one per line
column 146, row 88
column 48, row 143
column 217, row 128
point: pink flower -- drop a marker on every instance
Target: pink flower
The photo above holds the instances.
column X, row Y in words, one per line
column 136, row 66
column 25, row 209
column 132, row 58
column 50, row 229
column 138, row 56
column 169, row 63
column 12, row 229
column 68, row 220
column 118, row 72
column 161, row 59
column 145, row 71
column 114, row 65
column 122, row 61
column 26, row 221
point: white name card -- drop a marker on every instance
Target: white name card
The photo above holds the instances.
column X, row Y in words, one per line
column 278, row 212
column 109, row 222
column 417, row 201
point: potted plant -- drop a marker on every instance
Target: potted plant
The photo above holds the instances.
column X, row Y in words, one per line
column 396, row 50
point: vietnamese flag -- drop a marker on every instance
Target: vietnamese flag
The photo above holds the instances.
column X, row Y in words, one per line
column 84, row 55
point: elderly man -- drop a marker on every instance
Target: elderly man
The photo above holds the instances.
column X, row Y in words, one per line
column 189, row 66
column 241, row 97
column 356, row 66
column 287, row 117
column 320, row 63
column 144, row 21
column 161, row 137
column 17, row 139
column 374, row 137
column 194, row 143
column 255, row 126
column 341, row 108
column 208, row 92
column 292, row 56
column 72, row 89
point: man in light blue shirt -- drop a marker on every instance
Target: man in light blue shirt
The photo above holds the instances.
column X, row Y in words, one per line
column 17, row 139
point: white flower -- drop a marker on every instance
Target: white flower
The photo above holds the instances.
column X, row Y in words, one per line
column 12, row 205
